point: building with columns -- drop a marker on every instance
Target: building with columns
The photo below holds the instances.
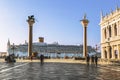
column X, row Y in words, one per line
column 110, row 35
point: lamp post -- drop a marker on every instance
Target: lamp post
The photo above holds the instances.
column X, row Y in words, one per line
column 84, row 23
column 96, row 48
column 31, row 21
column 13, row 48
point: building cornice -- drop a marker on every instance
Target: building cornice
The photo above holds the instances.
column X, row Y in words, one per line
column 110, row 17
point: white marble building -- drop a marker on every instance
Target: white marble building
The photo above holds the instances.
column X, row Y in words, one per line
column 110, row 35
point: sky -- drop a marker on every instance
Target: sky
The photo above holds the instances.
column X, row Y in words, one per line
column 56, row 20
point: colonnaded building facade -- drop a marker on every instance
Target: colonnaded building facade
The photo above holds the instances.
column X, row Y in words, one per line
column 110, row 35
column 50, row 49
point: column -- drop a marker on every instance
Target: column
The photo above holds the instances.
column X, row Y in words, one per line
column 84, row 23
column 117, row 24
column 118, row 49
column 108, row 52
column 85, row 42
column 102, row 35
column 102, row 54
column 30, row 41
column 112, row 31
column 113, row 53
column 107, row 31
column 30, row 21
column 118, row 27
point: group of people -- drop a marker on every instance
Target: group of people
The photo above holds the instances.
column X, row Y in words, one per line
column 10, row 58
column 93, row 59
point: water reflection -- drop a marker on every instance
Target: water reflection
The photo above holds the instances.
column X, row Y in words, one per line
column 57, row 71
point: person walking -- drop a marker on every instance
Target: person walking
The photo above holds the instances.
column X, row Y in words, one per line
column 92, row 60
column 42, row 58
column 88, row 60
column 96, row 60
column 31, row 57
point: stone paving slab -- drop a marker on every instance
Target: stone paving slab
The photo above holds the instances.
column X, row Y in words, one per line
column 57, row 71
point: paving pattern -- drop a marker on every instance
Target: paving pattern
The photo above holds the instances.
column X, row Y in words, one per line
column 58, row 71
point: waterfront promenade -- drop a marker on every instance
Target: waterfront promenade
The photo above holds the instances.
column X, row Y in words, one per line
column 57, row 71
column 58, row 61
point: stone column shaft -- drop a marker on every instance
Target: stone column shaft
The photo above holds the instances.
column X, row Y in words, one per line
column 102, row 54
column 102, row 36
column 85, row 42
column 113, row 53
column 107, row 32
column 113, row 33
column 30, row 41
column 108, row 52
column 117, row 24
column 118, row 49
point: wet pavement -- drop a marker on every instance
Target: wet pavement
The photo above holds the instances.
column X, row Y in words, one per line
column 57, row 71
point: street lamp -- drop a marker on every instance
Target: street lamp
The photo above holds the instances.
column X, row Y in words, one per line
column 31, row 21
column 84, row 23
column 96, row 48
column 13, row 48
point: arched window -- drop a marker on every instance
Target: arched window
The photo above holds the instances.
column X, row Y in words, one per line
column 115, row 30
column 105, row 34
column 110, row 31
